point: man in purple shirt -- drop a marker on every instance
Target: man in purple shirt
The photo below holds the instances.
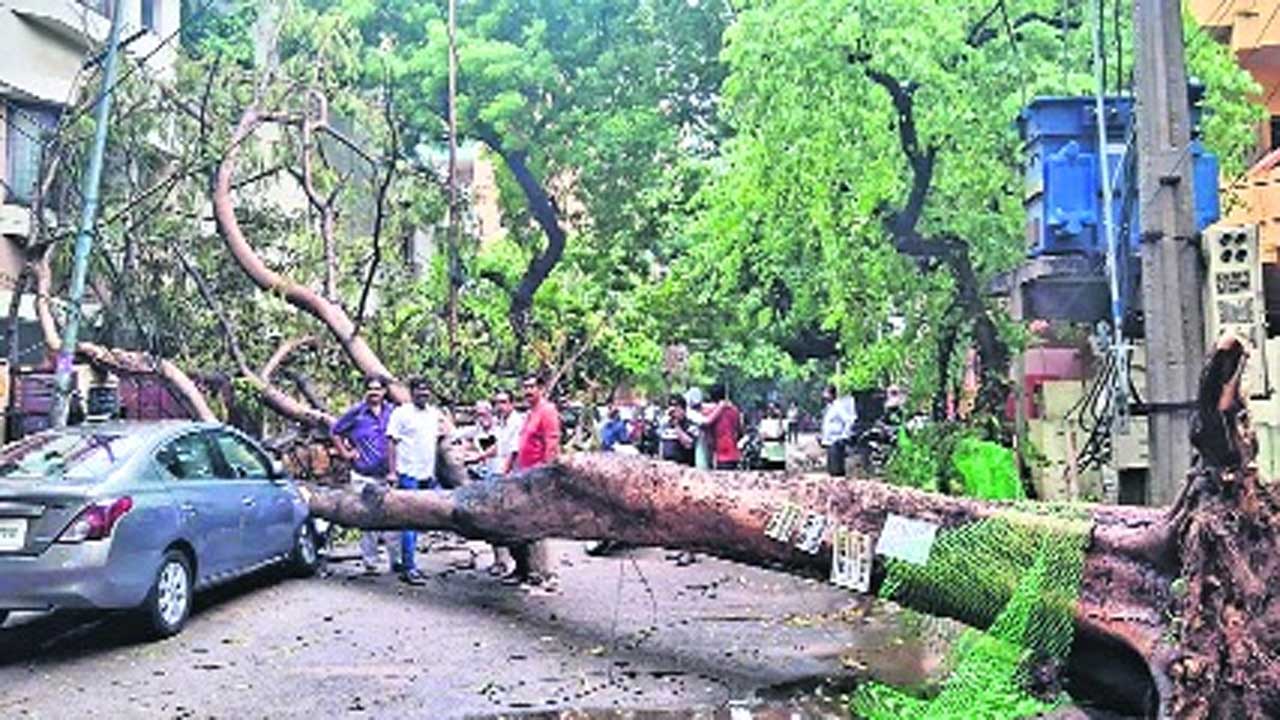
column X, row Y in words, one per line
column 361, row 437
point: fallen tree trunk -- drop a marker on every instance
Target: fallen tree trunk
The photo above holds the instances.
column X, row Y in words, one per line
column 1190, row 595
column 645, row 502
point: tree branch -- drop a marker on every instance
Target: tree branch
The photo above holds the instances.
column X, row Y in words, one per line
column 283, row 352
column 274, row 397
column 902, row 223
column 981, row 34
column 548, row 218
column 380, row 205
column 330, row 314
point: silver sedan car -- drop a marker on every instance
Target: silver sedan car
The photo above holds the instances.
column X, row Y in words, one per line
column 142, row 515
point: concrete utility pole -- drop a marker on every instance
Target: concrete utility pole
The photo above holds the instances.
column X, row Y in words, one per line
column 88, row 217
column 1171, row 276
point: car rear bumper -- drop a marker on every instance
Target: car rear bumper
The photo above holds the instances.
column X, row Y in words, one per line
column 82, row 576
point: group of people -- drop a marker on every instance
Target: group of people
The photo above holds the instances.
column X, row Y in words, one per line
column 710, row 435
column 398, row 446
column 694, row 433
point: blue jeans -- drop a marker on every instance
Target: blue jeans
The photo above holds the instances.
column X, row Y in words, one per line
column 409, row 538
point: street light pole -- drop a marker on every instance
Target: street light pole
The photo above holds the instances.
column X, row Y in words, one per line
column 88, row 216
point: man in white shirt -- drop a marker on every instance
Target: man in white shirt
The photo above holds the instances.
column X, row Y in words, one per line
column 837, row 425
column 507, row 431
column 414, row 432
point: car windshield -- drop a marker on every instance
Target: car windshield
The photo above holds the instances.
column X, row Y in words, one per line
column 73, row 455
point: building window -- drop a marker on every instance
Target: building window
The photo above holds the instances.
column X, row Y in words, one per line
column 1275, row 132
column 28, row 128
column 150, row 15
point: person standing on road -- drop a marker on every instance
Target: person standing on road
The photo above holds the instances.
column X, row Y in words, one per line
column 414, row 432
column 614, row 430
column 361, row 438
column 539, row 445
column 482, row 443
column 724, row 422
column 837, row 424
column 508, row 442
column 694, row 410
column 677, row 443
column 678, row 435
column 773, row 439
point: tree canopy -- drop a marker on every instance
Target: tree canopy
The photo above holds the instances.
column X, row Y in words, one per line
column 789, row 190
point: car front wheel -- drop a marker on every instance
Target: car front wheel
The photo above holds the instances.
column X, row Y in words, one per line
column 168, row 605
column 304, row 561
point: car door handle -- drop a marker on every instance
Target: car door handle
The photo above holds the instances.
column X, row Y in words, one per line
column 187, row 508
column 247, row 501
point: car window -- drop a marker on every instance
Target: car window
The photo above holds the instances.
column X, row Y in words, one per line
column 243, row 460
column 188, row 458
column 67, row 453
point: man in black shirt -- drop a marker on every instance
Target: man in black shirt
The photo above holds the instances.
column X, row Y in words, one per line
column 678, row 435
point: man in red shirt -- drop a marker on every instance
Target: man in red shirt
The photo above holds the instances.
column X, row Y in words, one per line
column 724, row 423
column 539, row 445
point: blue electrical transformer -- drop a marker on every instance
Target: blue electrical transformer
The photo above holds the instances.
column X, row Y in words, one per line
column 1063, row 186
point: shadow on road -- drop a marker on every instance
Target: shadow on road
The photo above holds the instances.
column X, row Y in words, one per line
column 71, row 635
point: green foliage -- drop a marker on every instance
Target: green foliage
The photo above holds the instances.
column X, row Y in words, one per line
column 953, row 458
column 925, row 457
column 723, row 171
column 787, row 240
column 917, row 461
column 989, row 470
column 1231, row 115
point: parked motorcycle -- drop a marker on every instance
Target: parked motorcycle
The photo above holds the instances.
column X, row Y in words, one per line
column 751, row 448
column 873, row 446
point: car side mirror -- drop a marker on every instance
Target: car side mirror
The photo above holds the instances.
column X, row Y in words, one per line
column 278, row 471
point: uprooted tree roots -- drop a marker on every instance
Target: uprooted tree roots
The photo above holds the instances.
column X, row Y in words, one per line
column 1188, row 599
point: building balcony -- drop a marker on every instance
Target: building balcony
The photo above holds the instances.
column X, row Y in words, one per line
column 1256, row 199
column 1247, row 25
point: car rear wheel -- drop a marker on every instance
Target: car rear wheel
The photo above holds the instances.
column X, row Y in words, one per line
column 168, row 605
column 304, row 561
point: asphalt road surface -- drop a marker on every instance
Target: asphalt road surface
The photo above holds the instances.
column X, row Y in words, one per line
column 626, row 635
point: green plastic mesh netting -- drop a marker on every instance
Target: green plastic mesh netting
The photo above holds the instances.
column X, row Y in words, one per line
column 1018, row 575
column 989, row 470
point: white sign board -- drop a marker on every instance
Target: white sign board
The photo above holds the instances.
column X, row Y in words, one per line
column 783, row 522
column 851, row 559
column 906, row 539
column 810, row 540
